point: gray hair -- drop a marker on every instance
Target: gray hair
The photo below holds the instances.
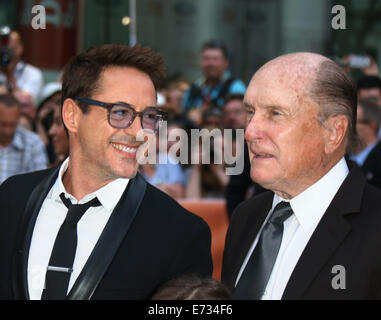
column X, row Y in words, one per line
column 334, row 90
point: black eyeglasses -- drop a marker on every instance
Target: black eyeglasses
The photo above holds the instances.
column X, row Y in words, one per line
column 121, row 114
column 363, row 121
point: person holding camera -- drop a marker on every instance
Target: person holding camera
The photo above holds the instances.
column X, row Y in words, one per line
column 15, row 74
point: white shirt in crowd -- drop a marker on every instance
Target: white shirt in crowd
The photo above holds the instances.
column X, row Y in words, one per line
column 28, row 78
column 50, row 219
column 309, row 207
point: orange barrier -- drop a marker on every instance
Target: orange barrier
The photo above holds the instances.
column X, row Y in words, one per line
column 215, row 215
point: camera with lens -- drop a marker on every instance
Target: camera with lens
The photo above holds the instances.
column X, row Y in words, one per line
column 5, row 52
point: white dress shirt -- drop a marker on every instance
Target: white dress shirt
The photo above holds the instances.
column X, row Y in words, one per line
column 89, row 228
column 309, row 207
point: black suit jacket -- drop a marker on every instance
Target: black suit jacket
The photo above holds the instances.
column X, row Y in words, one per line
column 372, row 166
column 148, row 240
column 348, row 235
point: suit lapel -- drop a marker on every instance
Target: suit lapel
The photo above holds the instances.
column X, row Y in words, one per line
column 110, row 240
column 20, row 259
column 256, row 217
column 329, row 234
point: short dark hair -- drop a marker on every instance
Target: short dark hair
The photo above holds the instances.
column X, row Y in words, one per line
column 9, row 100
column 81, row 74
column 371, row 110
column 334, row 90
column 232, row 96
column 192, row 287
column 216, row 44
column 369, row 82
column 212, row 111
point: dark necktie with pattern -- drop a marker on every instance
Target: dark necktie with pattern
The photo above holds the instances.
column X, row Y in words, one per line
column 257, row 272
column 63, row 253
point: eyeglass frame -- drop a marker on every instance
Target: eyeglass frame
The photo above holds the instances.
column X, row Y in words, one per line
column 364, row 121
column 109, row 105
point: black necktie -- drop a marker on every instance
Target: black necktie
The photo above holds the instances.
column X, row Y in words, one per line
column 62, row 257
column 257, row 272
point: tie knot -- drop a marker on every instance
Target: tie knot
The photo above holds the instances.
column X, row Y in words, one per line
column 76, row 211
column 281, row 213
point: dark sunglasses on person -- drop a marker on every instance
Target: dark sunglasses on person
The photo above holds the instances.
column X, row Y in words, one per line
column 121, row 115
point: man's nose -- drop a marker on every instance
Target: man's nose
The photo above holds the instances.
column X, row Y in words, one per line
column 254, row 129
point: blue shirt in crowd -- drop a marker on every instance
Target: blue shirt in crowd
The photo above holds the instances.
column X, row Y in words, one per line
column 197, row 99
column 25, row 153
column 167, row 171
column 361, row 157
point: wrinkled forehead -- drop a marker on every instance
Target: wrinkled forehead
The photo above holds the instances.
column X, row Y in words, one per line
column 285, row 71
column 290, row 75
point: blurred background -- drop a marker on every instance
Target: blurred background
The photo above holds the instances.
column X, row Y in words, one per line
column 253, row 30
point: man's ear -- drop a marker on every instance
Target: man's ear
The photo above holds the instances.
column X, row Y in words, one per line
column 70, row 113
column 336, row 128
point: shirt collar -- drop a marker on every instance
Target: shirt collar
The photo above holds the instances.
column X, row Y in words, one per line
column 310, row 205
column 109, row 195
column 17, row 141
column 19, row 66
column 361, row 157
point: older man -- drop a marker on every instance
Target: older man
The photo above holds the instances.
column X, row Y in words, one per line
column 316, row 235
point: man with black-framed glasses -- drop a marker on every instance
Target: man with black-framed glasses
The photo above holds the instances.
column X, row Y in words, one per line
column 94, row 228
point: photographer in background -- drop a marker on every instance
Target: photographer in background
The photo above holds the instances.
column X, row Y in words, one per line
column 15, row 74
